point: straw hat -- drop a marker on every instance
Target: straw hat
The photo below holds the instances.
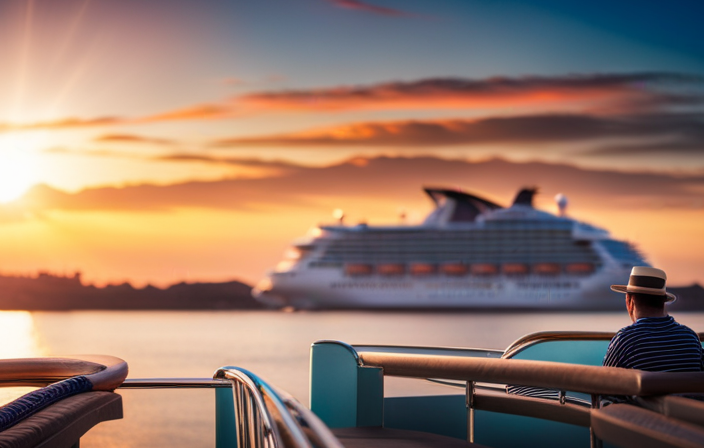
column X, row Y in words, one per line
column 646, row 280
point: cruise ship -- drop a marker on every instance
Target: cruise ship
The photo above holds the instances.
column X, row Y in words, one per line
column 468, row 253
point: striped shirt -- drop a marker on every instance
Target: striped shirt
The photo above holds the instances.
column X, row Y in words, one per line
column 656, row 344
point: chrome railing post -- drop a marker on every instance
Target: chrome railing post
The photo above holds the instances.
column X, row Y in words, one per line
column 257, row 426
column 470, row 411
column 249, row 411
column 594, row 441
column 267, row 418
column 241, row 415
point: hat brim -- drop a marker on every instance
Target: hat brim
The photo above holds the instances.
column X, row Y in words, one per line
column 669, row 297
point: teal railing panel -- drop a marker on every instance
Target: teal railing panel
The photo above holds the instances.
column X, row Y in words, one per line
column 370, row 397
column 584, row 352
column 447, row 415
column 589, row 353
column 509, row 431
column 438, row 414
column 333, row 385
column 343, row 394
column 225, row 422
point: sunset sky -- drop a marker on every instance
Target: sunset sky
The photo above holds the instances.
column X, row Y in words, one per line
column 156, row 141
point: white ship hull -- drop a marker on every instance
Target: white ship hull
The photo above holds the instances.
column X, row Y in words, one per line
column 329, row 288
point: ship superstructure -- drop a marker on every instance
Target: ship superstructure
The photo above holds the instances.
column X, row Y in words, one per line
column 468, row 253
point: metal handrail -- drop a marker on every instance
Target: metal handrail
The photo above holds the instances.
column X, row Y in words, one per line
column 175, row 383
column 420, row 350
column 270, row 418
column 531, row 339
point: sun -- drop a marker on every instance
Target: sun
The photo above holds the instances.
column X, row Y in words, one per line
column 18, row 167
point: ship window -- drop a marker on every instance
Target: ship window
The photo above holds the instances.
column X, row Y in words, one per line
column 464, row 211
column 623, row 252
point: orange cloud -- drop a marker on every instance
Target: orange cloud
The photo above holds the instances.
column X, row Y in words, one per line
column 61, row 124
column 200, row 112
column 249, row 162
column 130, row 138
column 687, row 128
column 606, row 92
column 367, row 7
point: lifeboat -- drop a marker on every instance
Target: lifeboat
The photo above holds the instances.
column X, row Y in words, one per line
column 422, row 269
column 579, row 268
column 484, row 269
column 356, row 269
column 546, row 268
column 454, row 269
column 514, row 268
column 391, row 269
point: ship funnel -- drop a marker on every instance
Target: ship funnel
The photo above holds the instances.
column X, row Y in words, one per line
column 561, row 201
column 525, row 197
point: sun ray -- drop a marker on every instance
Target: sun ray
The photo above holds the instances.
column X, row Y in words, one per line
column 75, row 75
column 70, row 33
column 22, row 68
column 80, row 69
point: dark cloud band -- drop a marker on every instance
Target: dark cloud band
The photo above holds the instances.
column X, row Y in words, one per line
column 688, row 129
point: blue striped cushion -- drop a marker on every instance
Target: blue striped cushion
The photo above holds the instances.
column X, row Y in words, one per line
column 21, row 408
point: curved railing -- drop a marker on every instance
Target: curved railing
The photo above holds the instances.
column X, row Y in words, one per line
column 531, row 339
column 104, row 372
column 270, row 418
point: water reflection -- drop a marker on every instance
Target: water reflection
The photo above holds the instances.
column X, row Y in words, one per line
column 18, row 339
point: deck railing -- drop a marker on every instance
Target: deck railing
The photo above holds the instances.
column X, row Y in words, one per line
column 250, row 413
column 423, row 363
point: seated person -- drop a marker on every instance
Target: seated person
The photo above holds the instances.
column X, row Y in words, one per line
column 654, row 342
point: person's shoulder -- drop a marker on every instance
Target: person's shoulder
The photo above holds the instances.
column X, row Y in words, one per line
column 633, row 328
column 622, row 335
column 686, row 329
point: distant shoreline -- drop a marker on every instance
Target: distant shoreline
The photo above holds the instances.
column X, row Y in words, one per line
column 48, row 292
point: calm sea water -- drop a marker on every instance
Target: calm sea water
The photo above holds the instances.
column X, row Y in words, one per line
column 274, row 345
